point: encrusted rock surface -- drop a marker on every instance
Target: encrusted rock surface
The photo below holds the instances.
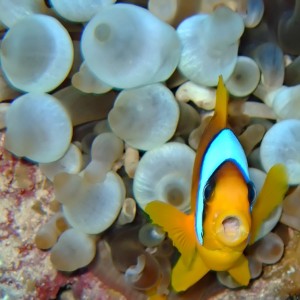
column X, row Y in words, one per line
column 26, row 202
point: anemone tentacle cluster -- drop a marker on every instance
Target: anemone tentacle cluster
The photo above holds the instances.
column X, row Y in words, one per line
column 111, row 100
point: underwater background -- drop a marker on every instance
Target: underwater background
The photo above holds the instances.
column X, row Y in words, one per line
column 102, row 108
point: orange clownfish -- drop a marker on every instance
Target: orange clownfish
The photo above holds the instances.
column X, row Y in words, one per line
column 224, row 218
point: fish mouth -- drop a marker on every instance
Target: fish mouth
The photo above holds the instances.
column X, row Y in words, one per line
column 231, row 226
column 232, row 230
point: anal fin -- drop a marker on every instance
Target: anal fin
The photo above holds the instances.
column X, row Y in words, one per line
column 179, row 226
column 184, row 276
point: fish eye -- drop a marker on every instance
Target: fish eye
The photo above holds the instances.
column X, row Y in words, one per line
column 209, row 189
column 251, row 192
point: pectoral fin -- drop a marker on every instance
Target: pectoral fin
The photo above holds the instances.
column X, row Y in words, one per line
column 179, row 226
column 240, row 272
column 184, row 276
column 271, row 195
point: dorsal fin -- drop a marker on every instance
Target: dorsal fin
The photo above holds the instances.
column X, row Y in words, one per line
column 216, row 124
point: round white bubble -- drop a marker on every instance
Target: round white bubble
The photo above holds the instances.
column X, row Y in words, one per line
column 126, row 46
column 281, row 144
column 36, row 54
column 79, row 10
column 38, row 128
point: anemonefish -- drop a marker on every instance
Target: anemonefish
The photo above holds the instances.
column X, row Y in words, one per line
column 224, row 217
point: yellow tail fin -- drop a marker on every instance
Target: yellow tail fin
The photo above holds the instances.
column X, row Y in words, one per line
column 157, row 297
column 240, row 272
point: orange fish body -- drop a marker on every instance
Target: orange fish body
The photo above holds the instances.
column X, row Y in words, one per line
column 224, row 218
column 227, row 220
